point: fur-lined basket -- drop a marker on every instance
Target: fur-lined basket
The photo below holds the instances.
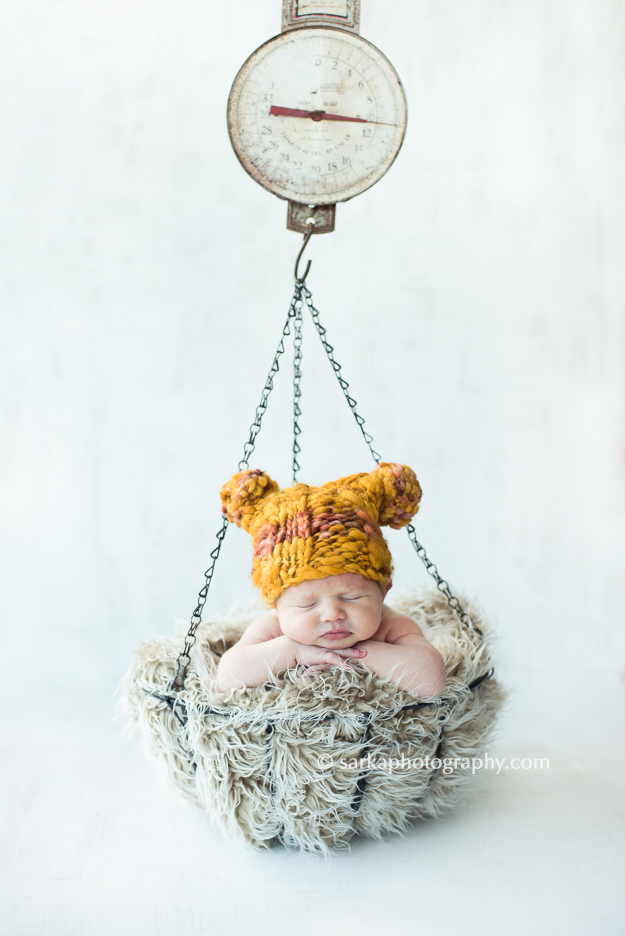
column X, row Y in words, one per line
column 310, row 761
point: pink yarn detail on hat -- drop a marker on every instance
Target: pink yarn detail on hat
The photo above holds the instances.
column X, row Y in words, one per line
column 304, row 526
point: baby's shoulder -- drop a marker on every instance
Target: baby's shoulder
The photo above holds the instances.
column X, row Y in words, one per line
column 265, row 627
column 394, row 625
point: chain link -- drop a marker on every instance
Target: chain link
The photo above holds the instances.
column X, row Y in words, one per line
column 177, row 682
column 337, row 370
column 297, row 379
column 275, row 367
column 441, row 584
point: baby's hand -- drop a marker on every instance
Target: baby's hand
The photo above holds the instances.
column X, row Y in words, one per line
column 317, row 659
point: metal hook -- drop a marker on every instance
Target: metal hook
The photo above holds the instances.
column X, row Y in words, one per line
column 300, row 279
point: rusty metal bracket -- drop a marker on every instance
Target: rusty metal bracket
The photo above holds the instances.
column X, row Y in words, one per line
column 343, row 14
column 298, row 216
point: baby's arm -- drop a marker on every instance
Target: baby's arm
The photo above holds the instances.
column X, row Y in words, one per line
column 263, row 649
column 406, row 657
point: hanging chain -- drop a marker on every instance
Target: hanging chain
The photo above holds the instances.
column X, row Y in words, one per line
column 275, row 367
column 300, row 295
column 297, row 379
column 337, row 370
column 441, row 584
column 431, row 569
column 177, row 682
column 295, row 312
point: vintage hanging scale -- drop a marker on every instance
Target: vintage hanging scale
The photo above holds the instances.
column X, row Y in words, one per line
column 316, row 115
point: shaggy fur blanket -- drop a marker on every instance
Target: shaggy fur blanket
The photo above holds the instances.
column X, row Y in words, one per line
column 310, row 761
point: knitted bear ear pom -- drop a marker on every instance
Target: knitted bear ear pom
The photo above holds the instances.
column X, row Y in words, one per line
column 397, row 492
column 241, row 495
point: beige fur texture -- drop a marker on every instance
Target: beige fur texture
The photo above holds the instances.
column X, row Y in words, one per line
column 304, row 760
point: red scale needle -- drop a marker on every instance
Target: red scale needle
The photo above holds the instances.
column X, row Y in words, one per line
column 318, row 115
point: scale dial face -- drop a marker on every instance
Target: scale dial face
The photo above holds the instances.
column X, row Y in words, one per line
column 317, row 115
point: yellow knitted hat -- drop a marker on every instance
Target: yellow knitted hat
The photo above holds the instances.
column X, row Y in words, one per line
column 303, row 532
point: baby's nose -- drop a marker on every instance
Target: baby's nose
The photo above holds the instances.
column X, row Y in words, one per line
column 332, row 612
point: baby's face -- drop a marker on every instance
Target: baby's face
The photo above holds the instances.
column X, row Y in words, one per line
column 336, row 611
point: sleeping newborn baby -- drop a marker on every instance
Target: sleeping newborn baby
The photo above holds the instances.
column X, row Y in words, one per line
column 324, row 568
column 328, row 622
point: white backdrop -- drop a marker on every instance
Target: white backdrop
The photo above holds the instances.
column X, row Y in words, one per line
column 474, row 298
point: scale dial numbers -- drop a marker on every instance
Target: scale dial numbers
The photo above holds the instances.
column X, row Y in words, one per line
column 317, row 115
